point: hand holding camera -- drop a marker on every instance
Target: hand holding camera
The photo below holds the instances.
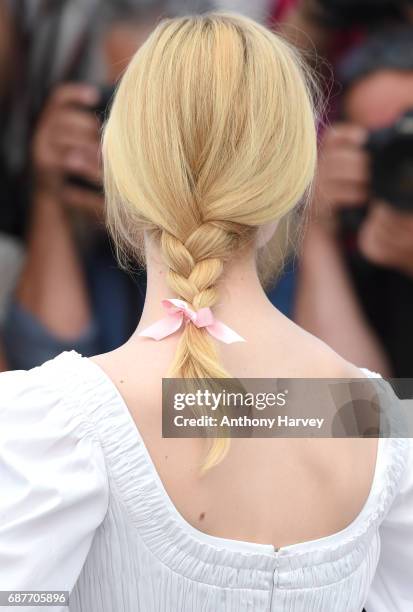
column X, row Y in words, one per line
column 386, row 237
column 343, row 171
column 371, row 172
column 67, row 142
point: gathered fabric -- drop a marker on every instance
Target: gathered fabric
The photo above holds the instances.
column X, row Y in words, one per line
column 110, row 534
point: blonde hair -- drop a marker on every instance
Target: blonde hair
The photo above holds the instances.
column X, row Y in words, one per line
column 211, row 135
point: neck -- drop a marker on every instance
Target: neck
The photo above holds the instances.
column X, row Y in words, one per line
column 240, row 290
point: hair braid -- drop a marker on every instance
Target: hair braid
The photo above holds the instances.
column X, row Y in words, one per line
column 193, row 274
column 194, row 271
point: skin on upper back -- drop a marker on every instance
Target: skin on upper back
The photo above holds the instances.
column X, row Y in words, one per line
column 271, row 491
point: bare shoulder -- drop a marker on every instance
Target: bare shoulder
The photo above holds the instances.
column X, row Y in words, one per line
column 103, row 360
column 112, row 363
column 137, row 372
column 316, row 359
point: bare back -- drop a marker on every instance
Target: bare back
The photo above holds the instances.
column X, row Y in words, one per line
column 271, row 491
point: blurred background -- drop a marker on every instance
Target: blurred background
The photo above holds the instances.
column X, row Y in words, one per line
column 350, row 281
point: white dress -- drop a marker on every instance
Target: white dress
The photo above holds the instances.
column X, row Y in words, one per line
column 83, row 509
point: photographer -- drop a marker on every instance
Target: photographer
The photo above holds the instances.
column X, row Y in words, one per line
column 71, row 294
column 357, row 293
column 51, row 41
column 52, row 307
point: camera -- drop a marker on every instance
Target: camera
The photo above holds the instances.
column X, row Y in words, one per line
column 101, row 110
column 391, row 151
column 391, row 176
column 344, row 13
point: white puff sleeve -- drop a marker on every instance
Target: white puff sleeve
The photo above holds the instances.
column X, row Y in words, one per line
column 53, row 484
column 392, row 587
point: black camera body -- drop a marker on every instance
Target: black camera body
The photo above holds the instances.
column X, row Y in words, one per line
column 101, row 109
column 345, row 13
column 391, row 151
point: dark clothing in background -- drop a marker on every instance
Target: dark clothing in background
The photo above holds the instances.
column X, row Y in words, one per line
column 386, row 297
column 387, row 300
column 116, row 299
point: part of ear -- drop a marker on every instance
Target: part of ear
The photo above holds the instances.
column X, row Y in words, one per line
column 265, row 233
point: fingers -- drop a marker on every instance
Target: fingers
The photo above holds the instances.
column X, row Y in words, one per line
column 349, row 194
column 83, row 164
column 85, row 200
column 67, row 139
column 395, row 223
column 343, row 175
column 345, row 135
column 76, row 142
column 67, row 142
column 385, row 238
column 83, row 160
column 75, row 94
column 348, row 164
column 73, row 127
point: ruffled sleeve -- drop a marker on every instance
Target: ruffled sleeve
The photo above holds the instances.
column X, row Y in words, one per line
column 53, row 482
column 392, row 587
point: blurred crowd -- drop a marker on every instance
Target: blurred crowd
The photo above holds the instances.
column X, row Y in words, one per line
column 351, row 280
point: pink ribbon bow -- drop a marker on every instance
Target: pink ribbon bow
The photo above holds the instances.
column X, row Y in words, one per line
column 178, row 311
